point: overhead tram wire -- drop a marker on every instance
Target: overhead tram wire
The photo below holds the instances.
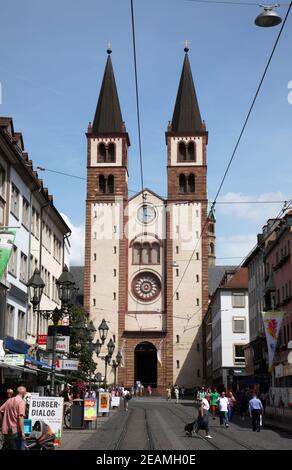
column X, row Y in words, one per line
column 236, row 146
column 135, row 191
column 219, row 2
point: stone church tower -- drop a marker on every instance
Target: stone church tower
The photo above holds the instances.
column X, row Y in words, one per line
column 146, row 258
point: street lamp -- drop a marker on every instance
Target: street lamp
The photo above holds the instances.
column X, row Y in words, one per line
column 91, row 331
column 115, row 365
column 36, row 286
column 268, row 17
column 66, row 287
column 103, row 330
column 107, row 359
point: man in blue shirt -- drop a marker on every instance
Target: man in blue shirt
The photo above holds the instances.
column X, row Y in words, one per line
column 255, row 411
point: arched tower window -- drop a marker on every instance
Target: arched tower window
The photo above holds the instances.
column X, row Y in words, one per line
column 212, row 248
column 101, row 184
column 111, row 153
column 191, row 151
column 111, row 184
column 182, row 152
column 101, row 153
column 191, row 183
column 137, row 253
column 146, row 253
column 182, row 184
column 155, row 253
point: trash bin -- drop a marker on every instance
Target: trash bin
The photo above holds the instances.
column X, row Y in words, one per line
column 77, row 414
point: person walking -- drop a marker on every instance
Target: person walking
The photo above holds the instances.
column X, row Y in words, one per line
column 203, row 418
column 13, row 413
column 182, row 392
column 149, row 390
column 141, row 390
column 176, row 393
column 168, row 393
column 127, row 397
column 231, row 407
column 214, row 398
column 255, row 411
column 223, row 409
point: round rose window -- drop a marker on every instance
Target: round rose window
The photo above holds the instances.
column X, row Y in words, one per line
column 146, row 286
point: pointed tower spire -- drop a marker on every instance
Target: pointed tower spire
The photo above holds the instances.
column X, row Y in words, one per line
column 186, row 116
column 108, row 117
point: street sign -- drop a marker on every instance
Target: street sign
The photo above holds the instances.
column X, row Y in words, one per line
column 90, row 409
column 62, row 343
column 70, row 364
column 14, row 359
column 42, row 340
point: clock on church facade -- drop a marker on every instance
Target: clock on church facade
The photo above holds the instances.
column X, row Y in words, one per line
column 137, row 275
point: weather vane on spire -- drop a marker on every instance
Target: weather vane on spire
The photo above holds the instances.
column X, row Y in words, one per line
column 186, row 48
column 109, row 48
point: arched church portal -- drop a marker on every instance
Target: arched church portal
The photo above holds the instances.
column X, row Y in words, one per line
column 146, row 364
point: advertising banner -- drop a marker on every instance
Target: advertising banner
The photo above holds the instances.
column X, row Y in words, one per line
column 7, row 237
column 50, row 411
column 14, row 359
column 115, row 402
column 103, row 402
column 90, row 409
column 272, row 323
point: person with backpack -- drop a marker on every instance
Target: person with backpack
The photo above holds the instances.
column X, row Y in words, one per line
column 127, row 397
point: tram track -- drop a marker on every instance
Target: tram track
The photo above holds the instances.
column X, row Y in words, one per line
column 125, row 435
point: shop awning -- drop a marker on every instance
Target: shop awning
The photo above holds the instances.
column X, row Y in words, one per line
column 39, row 363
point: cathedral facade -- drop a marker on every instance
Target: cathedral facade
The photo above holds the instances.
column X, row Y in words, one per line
column 147, row 257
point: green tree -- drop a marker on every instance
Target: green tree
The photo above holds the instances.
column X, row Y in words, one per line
column 79, row 344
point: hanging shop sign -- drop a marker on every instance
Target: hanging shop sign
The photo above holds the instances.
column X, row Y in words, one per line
column 103, row 402
column 90, row 409
column 42, row 340
column 14, row 359
column 62, row 344
column 272, row 323
column 49, row 410
column 70, row 364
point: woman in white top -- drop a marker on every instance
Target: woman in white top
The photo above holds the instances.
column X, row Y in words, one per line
column 203, row 418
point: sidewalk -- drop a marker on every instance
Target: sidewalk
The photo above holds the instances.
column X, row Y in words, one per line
column 279, row 417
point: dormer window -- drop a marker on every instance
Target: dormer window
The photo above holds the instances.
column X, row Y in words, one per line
column 106, row 153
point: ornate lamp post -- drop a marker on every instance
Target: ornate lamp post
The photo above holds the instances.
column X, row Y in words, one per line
column 36, row 286
column 115, row 364
column 66, row 290
column 107, row 359
column 103, row 330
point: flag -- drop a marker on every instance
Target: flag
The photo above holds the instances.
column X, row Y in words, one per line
column 122, row 351
column 159, row 359
column 272, row 324
column 7, row 237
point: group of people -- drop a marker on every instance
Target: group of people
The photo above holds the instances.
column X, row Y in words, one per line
column 174, row 390
column 224, row 404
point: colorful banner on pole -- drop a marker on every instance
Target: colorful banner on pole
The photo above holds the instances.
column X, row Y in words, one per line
column 272, row 323
column 7, row 237
column 159, row 359
column 122, row 351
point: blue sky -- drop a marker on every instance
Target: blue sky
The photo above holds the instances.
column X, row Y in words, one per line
column 52, row 60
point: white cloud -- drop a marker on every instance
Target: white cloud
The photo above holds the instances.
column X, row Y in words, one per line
column 234, row 246
column 77, row 241
column 254, row 212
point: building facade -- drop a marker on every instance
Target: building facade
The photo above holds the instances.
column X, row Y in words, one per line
column 226, row 327
column 40, row 242
column 137, row 250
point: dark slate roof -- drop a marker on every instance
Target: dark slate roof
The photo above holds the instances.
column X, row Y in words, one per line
column 186, row 115
column 216, row 274
column 108, row 116
column 78, row 274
